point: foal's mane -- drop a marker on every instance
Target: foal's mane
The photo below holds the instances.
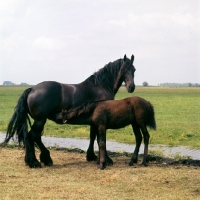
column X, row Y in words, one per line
column 105, row 76
column 86, row 108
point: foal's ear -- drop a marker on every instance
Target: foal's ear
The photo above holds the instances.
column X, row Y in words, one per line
column 125, row 57
column 132, row 58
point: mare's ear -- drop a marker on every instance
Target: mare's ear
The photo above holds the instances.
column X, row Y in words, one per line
column 132, row 58
column 125, row 57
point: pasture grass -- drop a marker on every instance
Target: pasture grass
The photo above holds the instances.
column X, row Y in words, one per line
column 71, row 177
column 177, row 112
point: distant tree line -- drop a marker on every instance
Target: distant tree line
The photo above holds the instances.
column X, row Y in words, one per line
column 180, row 84
column 11, row 83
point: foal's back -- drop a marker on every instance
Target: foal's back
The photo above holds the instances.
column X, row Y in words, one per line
column 119, row 113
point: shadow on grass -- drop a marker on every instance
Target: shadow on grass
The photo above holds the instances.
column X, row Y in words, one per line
column 154, row 159
column 151, row 158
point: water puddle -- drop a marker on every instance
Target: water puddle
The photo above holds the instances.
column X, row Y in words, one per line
column 115, row 146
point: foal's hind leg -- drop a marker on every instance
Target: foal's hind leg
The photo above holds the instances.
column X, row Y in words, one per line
column 138, row 137
column 146, row 144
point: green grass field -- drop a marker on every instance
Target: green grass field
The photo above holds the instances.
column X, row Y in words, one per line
column 177, row 112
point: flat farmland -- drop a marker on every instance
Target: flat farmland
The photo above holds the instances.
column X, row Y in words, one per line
column 72, row 177
column 177, row 112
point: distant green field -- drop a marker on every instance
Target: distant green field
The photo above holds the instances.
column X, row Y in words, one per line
column 177, row 112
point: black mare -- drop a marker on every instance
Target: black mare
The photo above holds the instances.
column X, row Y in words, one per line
column 47, row 99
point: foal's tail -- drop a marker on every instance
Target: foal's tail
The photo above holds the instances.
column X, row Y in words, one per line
column 152, row 122
column 18, row 124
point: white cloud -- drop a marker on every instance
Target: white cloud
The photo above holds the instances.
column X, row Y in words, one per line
column 49, row 44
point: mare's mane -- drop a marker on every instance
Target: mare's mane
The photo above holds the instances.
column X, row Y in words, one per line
column 105, row 76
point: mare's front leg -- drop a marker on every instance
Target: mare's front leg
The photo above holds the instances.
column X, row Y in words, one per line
column 138, row 137
column 90, row 151
column 102, row 147
column 146, row 137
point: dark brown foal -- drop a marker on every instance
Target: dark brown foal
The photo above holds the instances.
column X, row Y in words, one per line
column 115, row 114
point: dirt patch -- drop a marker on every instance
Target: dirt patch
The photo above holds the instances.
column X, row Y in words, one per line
column 72, row 177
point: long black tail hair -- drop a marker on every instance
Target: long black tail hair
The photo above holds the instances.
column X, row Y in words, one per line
column 152, row 122
column 19, row 122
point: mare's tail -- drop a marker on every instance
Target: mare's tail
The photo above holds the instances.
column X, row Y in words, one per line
column 18, row 124
column 152, row 122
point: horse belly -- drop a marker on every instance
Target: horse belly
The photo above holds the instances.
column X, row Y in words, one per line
column 118, row 123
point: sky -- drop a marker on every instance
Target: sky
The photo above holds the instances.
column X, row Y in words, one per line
column 69, row 40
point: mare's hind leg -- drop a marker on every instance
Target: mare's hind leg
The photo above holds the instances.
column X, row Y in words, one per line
column 138, row 137
column 30, row 158
column 146, row 144
column 90, row 151
column 34, row 136
column 45, row 154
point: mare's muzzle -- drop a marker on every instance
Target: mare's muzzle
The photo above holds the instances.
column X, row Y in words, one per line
column 130, row 88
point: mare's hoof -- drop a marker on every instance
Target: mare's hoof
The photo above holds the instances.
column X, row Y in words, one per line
column 46, row 159
column 130, row 163
column 109, row 161
column 48, row 163
column 34, row 164
column 144, row 164
column 91, row 157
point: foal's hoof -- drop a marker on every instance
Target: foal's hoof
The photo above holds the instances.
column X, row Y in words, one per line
column 132, row 162
column 101, row 166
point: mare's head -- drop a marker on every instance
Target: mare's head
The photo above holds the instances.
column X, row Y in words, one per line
column 128, row 71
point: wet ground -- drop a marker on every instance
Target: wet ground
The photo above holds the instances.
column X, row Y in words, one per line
column 116, row 147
